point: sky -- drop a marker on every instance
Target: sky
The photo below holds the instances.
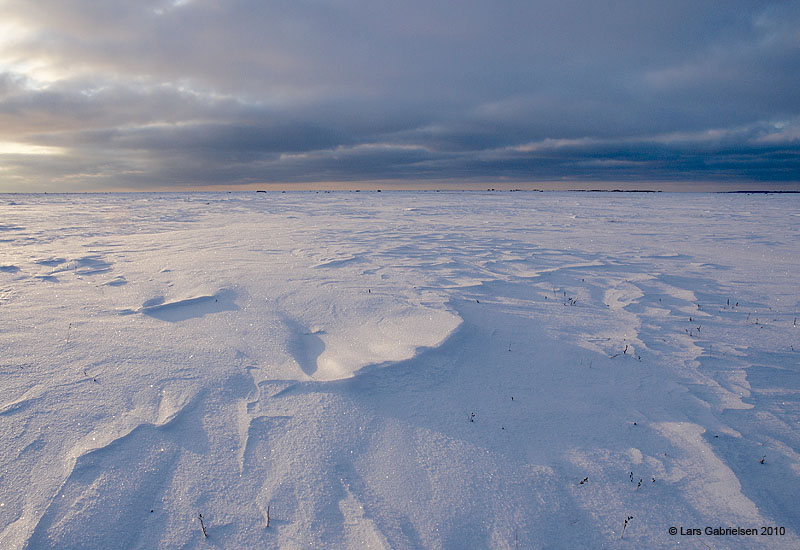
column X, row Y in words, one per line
column 240, row 94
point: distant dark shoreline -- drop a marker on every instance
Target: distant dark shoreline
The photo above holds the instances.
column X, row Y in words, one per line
column 758, row 192
column 489, row 190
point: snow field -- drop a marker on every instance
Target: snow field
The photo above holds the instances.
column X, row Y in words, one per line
column 398, row 370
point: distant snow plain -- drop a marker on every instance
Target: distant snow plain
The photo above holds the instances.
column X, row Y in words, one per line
column 403, row 370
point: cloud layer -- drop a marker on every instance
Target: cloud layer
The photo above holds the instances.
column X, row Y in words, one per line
column 162, row 93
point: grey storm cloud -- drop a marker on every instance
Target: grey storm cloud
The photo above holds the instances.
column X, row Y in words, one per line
column 119, row 94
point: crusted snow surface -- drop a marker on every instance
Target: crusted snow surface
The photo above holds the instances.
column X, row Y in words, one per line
column 398, row 370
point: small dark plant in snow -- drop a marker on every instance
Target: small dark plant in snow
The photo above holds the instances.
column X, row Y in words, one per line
column 202, row 525
column 625, row 525
column 624, row 352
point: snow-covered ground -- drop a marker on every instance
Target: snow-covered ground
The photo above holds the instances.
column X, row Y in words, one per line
column 399, row 370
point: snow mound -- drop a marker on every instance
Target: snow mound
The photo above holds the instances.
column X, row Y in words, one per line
column 334, row 339
column 189, row 308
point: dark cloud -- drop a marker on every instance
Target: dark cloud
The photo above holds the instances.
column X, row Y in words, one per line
column 201, row 92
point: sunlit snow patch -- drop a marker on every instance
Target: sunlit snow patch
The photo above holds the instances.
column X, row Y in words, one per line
column 332, row 343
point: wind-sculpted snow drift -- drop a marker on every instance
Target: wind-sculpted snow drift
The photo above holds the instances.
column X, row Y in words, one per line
column 398, row 370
